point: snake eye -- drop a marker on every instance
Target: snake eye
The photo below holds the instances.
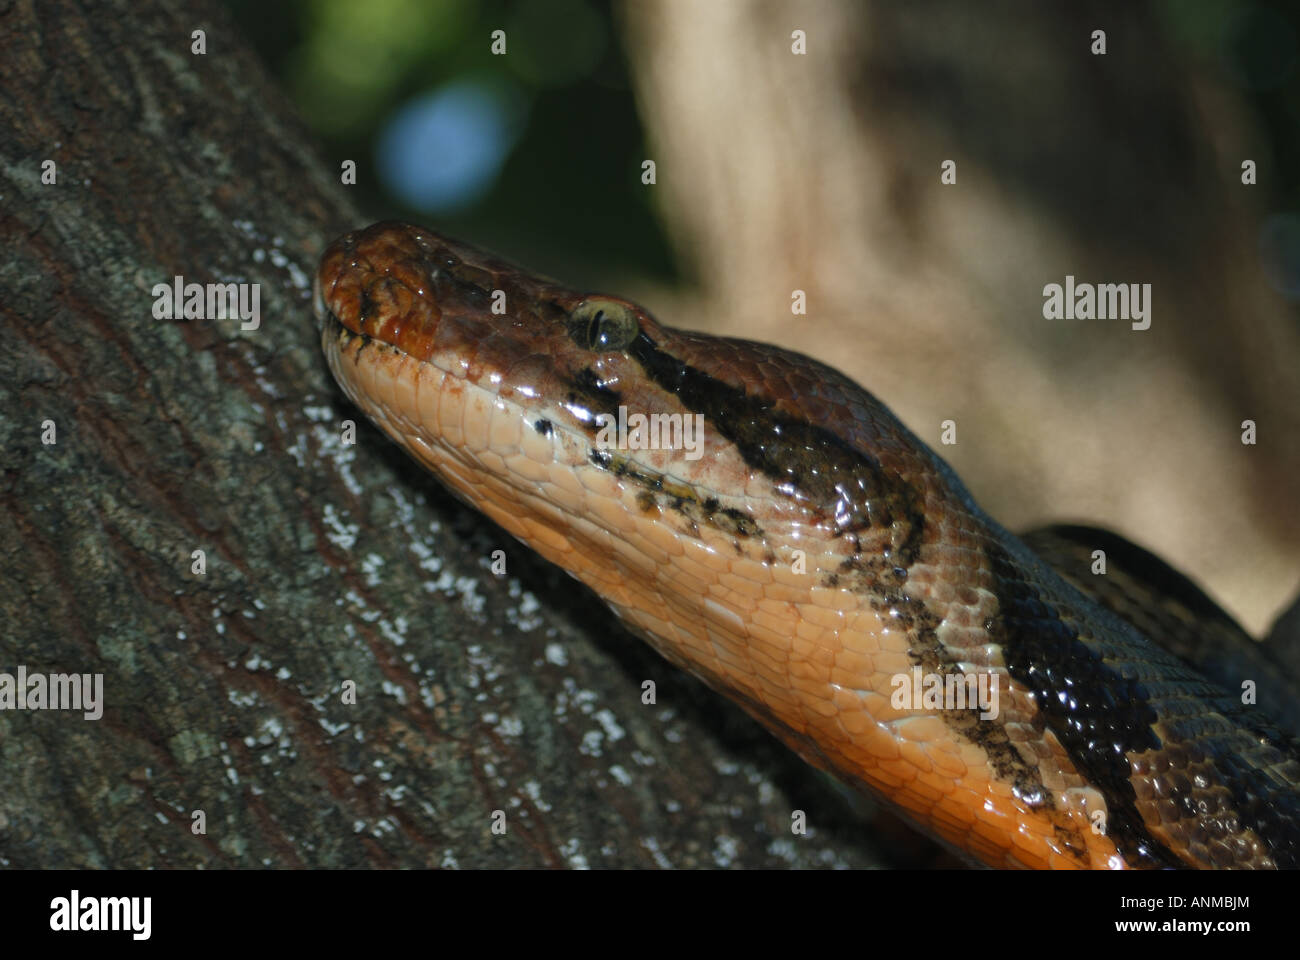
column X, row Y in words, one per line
column 606, row 326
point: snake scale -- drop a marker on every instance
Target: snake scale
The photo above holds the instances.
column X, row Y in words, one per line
column 815, row 562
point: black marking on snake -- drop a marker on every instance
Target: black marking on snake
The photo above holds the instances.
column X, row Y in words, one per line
column 848, row 487
column 1098, row 715
column 544, row 427
column 665, row 493
column 928, row 652
column 364, row 306
column 343, row 336
column 873, row 570
column 588, row 390
column 1203, row 757
column 1247, row 756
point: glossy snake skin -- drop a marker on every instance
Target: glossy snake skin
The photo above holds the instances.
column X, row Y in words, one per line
column 811, row 555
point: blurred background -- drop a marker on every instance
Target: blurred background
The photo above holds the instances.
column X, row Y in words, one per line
column 821, row 172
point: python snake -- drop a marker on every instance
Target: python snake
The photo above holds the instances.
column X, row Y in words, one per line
column 811, row 559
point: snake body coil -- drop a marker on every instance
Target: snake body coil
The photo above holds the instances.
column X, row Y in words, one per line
column 816, row 563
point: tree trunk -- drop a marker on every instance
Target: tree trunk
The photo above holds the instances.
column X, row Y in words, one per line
column 326, row 564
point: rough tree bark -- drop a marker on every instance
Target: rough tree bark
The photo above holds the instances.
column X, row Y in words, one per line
column 325, row 563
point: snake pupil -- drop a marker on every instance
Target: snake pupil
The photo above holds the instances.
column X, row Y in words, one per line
column 603, row 325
